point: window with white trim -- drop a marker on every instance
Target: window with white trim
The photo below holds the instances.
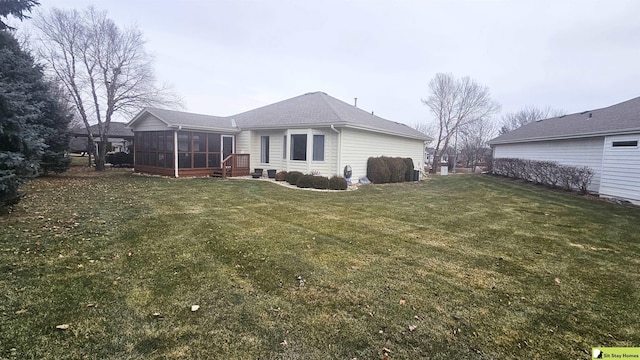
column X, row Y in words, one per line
column 299, row 147
column 318, row 147
column 264, row 149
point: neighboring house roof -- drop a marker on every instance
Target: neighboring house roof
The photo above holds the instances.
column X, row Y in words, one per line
column 308, row 110
column 621, row 118
column 116, row 130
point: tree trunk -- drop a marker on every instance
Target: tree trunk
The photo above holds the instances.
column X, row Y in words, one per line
column 102, row 152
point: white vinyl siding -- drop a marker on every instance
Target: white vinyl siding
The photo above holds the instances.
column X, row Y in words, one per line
column 621, row 169
column 575, row 152
column 150, row 123
column 359, row 145
column 243, row 143
column 275, row 149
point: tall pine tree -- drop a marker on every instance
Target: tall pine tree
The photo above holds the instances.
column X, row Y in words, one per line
column 33, row 123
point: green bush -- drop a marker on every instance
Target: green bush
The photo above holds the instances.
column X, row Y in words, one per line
column 337, row 183
column 304, row 181
column 377, row 170
column 293, row 176
column 120, row 159
column 313, row 181
column 320, row 182
column 408, row 173
column 281, row 176
column 396, row 169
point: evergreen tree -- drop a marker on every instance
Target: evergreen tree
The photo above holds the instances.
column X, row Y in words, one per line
column 16, row 8
column 33, row 124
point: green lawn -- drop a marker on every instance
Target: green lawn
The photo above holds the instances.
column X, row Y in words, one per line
column 454, row 267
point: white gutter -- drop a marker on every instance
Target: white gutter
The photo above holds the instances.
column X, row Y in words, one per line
column 339, row 155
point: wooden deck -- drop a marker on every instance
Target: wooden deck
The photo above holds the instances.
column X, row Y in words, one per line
column 232, row 165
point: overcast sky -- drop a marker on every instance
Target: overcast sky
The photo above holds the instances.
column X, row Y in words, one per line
column 226, row 57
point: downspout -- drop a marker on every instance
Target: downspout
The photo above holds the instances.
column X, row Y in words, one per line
column 339, row 154
column 175, row 152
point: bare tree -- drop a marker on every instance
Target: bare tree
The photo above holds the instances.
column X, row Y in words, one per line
column 475, row 136
column 514, row 120
column 104, row 69
column 456, row 103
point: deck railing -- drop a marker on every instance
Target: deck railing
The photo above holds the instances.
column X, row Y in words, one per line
column 235, row 165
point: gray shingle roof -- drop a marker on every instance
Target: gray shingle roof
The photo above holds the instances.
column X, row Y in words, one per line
column 116, row 130
column 319, row 109
column 308, row 110
column 616, row 119
column 181, row 118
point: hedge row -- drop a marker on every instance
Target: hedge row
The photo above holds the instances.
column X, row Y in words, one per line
column 312, row 181
column 548, row 173
column 384, row 169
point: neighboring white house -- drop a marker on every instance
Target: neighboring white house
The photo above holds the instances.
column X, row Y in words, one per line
column 606, row 140
column 313, row 132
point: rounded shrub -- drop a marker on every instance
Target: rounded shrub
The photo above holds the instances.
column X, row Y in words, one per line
column 293, row 176
column 281, row 176
column 337, row 183
column 377, row 170
column 408, row 171
column 396, row 169
column 320, row 182
column 304, row 181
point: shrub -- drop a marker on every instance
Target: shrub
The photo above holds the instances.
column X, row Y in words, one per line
column 292, row 177
column 547, row 173
column 389, row 169
column 319, row 182
column 337, row 183
column 120, row 159
column 408, row 171
column 304, row 181
column 396, row 169
column 378, row 171
column 313, row 181
column 281, row 176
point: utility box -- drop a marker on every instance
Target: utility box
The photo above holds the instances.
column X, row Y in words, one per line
column 444, row 168
column 416, row 175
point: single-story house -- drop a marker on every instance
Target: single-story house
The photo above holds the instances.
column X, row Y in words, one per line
column 606, row 140
column 120, row 138
column 311, row 133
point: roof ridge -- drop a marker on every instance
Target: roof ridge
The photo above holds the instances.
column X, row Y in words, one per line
column 324, row 97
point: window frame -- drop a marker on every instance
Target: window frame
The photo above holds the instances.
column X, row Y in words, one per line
column 296, row 140
column 624, row 144
column 264, row 149
column 316, row 156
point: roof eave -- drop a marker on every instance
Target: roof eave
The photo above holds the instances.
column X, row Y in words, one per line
column 381, row 131
column 204, row 128
column 337, row 125
column 567, row 137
